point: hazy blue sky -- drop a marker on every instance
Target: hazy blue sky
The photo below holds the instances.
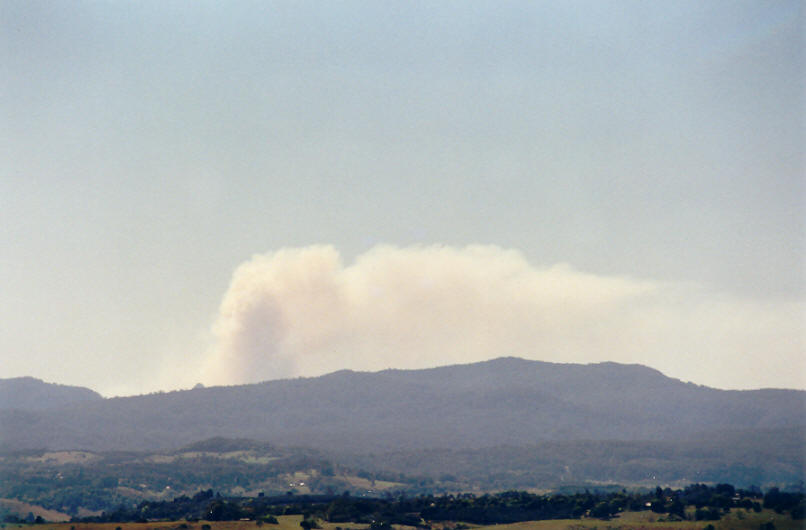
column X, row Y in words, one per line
column 149, row 148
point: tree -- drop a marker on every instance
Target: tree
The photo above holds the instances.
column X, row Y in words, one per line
column 677, row 508
column 601, row 510
column 308, row 524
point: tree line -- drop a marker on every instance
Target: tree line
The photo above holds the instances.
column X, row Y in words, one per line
column 697, row 501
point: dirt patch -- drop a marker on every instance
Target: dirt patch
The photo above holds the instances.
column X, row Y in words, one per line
column 65, row 457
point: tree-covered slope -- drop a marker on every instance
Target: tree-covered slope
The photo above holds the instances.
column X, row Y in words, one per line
column 506, row 401
column 32, row 394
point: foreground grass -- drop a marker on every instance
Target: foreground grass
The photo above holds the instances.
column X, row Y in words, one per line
column 649, row 520
column 286, row 522
column 735, row 520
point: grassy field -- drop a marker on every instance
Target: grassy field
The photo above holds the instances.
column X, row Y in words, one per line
column 649, row 520
column 736, row 520
column 22, row 508
column 286, row 522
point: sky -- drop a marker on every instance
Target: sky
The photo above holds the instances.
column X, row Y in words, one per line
column 230, row 192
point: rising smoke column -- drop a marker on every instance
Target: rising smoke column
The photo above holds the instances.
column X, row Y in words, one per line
column 301, row 311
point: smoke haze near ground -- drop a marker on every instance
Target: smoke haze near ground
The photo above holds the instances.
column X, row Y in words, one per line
column 303, row 312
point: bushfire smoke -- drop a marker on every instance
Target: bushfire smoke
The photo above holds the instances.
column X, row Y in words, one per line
column 301, row 311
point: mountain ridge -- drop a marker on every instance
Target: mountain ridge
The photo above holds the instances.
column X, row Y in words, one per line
column 30, row 393
column 497, row 360
column 505, row 401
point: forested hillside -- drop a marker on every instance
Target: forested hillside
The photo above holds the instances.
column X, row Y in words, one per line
column 506, row 401
column 32, row 394
column 74, row 482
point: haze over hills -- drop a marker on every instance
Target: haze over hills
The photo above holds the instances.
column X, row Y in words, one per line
column 33, row 394
column 506, row 401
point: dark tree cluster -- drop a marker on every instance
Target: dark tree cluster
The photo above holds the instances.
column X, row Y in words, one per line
column 709, row 503
column 781, row 502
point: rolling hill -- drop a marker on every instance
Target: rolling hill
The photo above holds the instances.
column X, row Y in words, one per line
column 27, row 393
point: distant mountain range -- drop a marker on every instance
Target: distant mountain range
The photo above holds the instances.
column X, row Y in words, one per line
column 32, row 394
column 503, row 402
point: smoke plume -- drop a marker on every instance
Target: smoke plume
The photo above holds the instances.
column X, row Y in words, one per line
column 301, row 311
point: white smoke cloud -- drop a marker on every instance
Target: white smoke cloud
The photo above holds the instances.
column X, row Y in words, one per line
column 301, row 311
